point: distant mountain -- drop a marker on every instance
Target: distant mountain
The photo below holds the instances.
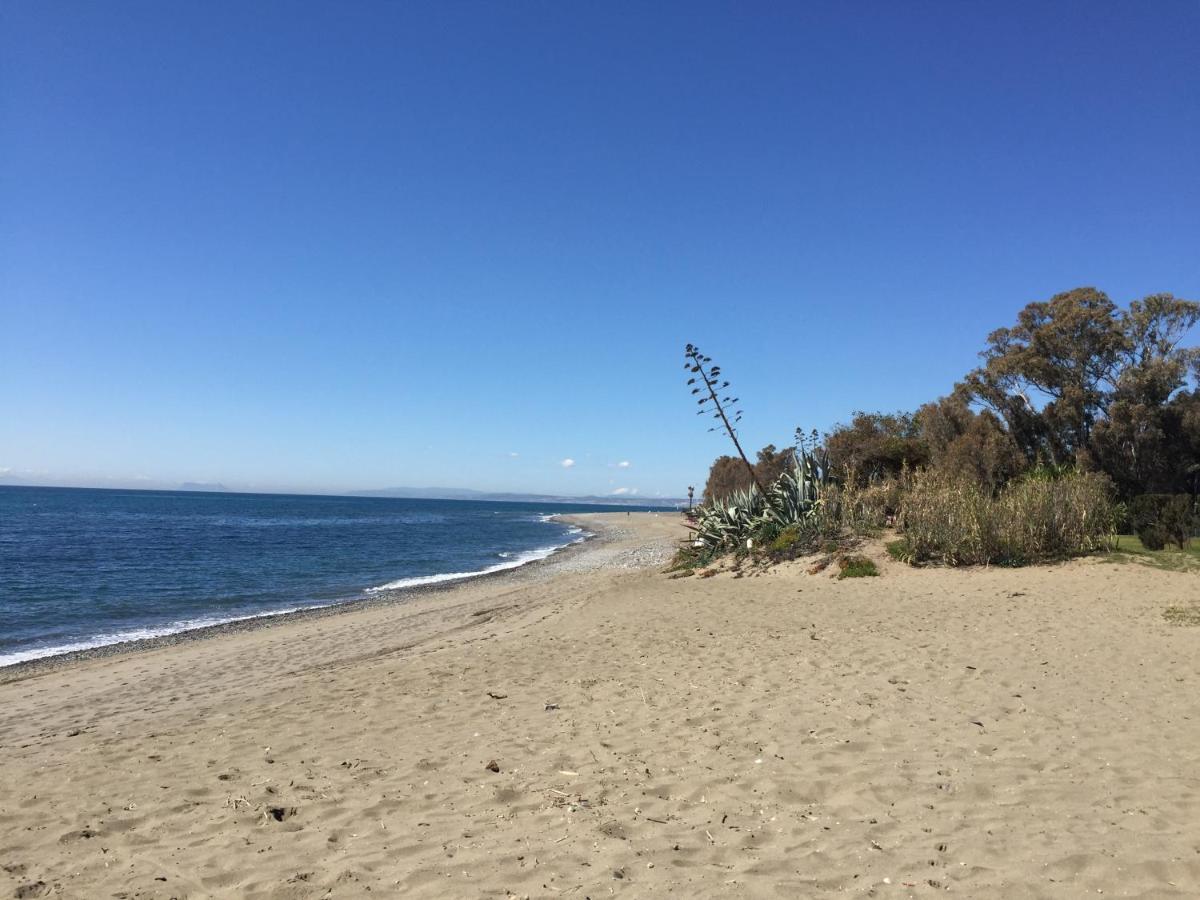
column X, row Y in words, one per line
column 434, row 493
column 203, row 486
column 429, row 493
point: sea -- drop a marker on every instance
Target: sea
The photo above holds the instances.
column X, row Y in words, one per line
column 82, row 568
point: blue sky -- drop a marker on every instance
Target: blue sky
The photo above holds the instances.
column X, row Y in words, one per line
column 336, row 246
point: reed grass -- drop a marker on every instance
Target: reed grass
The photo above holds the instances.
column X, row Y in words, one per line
column 954, row 521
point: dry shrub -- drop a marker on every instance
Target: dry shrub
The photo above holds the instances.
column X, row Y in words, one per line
column 952, row 520
column 865, row 508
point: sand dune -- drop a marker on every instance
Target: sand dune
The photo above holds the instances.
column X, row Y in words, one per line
column 987, row 733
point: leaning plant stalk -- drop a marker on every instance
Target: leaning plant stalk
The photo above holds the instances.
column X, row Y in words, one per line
column 699, row 364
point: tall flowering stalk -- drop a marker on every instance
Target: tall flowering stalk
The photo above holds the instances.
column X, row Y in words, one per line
column 708, row 383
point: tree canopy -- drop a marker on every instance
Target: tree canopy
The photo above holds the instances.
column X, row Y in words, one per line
column 1076, row 381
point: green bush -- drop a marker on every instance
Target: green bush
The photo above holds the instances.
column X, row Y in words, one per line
column 954, row 521
column 1159, row 519
column 788, row 541
column 1153, row 537
column 856, row 567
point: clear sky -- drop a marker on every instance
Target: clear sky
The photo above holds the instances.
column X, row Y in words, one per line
column 333, row 246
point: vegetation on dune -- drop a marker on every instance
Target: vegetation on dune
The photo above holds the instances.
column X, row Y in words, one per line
column 877, row 446
column 790, row 517
column 1182, row 615
column 954, row 521
column 856, row 567
column 1082, row 418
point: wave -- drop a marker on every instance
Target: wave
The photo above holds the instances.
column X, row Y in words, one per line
column 510, row 562
column 141, row 634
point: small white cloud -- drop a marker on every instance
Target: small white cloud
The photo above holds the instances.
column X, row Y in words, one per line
column 624, row 464
column 567, row 463
column 621, row 491
column 4, row 470
column 513, row 454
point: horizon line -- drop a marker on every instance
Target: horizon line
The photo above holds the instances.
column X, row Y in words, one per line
column 374, row 494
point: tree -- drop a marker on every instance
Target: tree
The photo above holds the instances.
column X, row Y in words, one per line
column 728, row 475
column 772, row 463
column 971, row 444
column 1065, row 353
column 1153, row 328
column 876, row 445
column 1140, row 440
column 1186, row 409
column 1076, row 381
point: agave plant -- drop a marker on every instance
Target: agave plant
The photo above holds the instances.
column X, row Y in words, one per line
column 726, row 524
column 796, row 498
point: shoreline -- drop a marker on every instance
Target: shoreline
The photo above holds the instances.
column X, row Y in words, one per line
column 591, row 726
column 370, row 598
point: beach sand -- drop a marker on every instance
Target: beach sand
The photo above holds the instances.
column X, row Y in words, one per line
column 987, row 733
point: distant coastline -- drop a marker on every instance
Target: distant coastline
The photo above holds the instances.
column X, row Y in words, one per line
column 634, row 501
column 437, row 493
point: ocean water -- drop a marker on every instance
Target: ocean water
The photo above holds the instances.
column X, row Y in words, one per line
column 84, row 568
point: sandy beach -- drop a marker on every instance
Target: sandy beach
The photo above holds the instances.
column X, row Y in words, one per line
column 592, row 727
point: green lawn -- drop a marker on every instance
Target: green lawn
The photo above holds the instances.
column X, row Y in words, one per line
column 1130, row 549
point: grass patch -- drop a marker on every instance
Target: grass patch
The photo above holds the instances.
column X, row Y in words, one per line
column 856, row 567
column 900, row 551
column 1182, row 615
column 1127, row 548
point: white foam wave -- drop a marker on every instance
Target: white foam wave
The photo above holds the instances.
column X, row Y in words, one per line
column 138, row 634
column 510, row 562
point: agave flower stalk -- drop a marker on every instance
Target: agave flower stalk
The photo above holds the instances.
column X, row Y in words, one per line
column 710, row 386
